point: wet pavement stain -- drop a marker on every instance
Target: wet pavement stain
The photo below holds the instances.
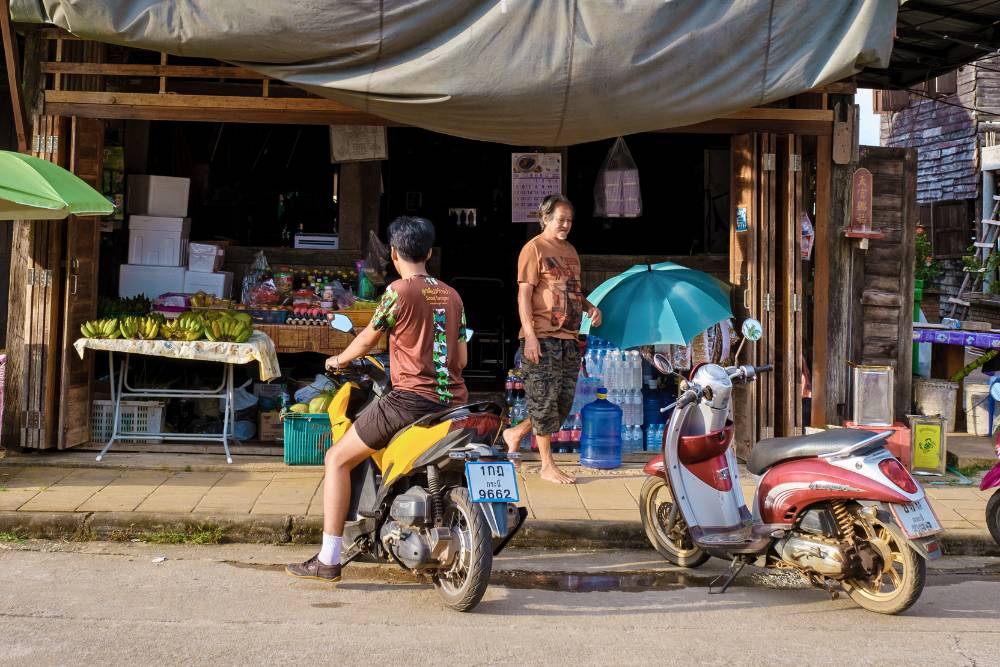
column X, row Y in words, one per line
column 595, row 582
column 328, row 605
column 267, row 567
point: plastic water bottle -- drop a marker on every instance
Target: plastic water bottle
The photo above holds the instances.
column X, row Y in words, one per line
column 601, row 439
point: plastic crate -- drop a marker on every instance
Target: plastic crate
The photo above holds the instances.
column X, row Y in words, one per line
column 136, row 417
column 307, row 437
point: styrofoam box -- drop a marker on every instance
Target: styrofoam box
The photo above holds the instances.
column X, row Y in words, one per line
column 150, row 280
column 219, row 283
column 158, row 241
column 204, row 257
column 158, row 195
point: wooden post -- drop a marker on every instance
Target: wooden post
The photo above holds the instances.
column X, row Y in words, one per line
column 832, row 290
column 13, row 63
column 360, row 199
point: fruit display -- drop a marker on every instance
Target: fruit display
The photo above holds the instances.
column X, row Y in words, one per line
column 203, row 300
column 136, row 305
column 228, row 329
column 106, row 328
column 215, row 325
column 182, row 329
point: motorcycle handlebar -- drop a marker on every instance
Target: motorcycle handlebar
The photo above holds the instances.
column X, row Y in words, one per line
column 766, row 368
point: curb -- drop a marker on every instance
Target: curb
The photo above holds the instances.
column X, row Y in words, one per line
column 287, row 529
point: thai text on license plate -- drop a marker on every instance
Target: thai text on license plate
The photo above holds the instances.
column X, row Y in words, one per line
column 917, row 519
column 492, row 482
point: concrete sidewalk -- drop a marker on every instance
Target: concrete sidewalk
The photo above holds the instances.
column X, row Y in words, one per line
column 260, row 499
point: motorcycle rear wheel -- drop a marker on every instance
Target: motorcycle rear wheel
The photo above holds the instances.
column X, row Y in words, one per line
column 463, row 585
column 676, row 545
column 993, row 516
column 894, row 589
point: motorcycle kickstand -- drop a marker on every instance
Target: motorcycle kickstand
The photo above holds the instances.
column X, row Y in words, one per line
column 734, row 570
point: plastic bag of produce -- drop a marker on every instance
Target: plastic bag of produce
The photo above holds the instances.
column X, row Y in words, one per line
column 616, row 192
column 258, row 271
column 313, row 389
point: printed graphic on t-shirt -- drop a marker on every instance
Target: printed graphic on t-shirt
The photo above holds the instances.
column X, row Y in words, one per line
column 565, row 295
column 441, row 356
column 387, row 312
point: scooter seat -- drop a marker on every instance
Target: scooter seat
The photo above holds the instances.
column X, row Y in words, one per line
column 772, row 451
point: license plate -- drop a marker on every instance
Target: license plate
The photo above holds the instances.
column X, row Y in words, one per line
column 917, row 519
column 492, row 482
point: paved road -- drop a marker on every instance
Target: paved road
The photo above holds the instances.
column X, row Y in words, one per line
column 109, row 603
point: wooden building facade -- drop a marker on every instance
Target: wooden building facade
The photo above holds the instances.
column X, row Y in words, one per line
column 794, row 158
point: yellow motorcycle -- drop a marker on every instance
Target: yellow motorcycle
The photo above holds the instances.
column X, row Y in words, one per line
column 440, row 499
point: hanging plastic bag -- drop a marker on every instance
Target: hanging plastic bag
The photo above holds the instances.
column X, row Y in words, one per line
column 255, row 275
column 376, row 260
column 616, row 193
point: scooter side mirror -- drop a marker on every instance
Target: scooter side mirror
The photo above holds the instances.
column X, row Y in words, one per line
column 662, row 364
column 342, row 323
column 752, row 331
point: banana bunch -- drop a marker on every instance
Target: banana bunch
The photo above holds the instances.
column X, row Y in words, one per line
column 106, row 328
column 149, row 328
column 128, row 327
column 229, row 330
column 182, row 329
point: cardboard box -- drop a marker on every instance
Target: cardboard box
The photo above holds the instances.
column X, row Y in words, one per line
column 158, row 241
column 205, row 257
column 272, row 429
column 220, row 283
column 158, row 195
column 149, row 280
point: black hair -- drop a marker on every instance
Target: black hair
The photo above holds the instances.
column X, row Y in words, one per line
column 412, row 237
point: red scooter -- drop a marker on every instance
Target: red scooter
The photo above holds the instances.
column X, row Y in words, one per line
column 992, row 480
column 835, row 506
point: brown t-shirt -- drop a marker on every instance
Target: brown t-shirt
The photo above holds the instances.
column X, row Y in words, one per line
column 553, row 268
column 425, row 320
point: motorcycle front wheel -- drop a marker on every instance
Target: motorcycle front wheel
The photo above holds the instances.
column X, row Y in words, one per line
column 900, row 572
column 993, row 516
column 676, row 545
column 463, row 584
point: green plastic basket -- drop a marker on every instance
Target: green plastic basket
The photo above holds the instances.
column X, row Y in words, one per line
column 307, row 437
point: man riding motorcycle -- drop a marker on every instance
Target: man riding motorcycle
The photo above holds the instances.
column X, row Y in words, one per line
column 425, row 321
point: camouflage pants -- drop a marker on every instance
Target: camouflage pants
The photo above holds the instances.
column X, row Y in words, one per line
column 550, row 384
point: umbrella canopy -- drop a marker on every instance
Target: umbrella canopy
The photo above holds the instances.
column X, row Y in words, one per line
column 663, row 303
column 35, row 189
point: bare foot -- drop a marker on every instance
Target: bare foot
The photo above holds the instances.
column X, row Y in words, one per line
column 513, row 442
column 555, row 475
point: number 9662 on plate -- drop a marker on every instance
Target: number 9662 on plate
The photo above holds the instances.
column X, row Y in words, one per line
column 492, row 482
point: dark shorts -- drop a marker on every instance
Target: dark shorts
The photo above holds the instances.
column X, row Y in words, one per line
column 383, row 419
column 550, row 384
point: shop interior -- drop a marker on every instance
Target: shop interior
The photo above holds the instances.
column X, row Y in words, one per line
column 253, row 187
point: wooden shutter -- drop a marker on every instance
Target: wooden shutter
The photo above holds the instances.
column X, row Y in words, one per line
column 882, row 319
column 80, row 292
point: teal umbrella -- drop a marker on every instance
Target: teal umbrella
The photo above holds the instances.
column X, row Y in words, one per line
column 651, row 304
column 36, row 189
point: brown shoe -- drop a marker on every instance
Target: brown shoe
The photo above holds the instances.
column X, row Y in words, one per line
column 314, row 569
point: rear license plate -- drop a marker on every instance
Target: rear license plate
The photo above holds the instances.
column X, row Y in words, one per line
column 917, row 519
column 492, row 482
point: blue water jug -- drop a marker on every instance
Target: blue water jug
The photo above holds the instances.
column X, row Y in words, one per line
column 601, row 441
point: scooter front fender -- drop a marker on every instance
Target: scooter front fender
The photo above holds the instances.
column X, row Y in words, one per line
column 991, row 478
column 655, row 468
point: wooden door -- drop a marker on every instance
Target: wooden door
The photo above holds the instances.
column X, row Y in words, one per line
column 882, row 287
column 743, row 274
column 80, row 289
column 766, row 285
column 33, row 338
column 789, row 291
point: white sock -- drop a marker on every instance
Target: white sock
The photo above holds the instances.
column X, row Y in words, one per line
column 329, row 554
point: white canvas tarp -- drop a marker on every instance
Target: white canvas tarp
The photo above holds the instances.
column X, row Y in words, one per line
column 524, row 72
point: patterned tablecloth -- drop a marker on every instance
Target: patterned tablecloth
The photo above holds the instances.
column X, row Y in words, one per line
column 258, row 348
column 981, row 339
